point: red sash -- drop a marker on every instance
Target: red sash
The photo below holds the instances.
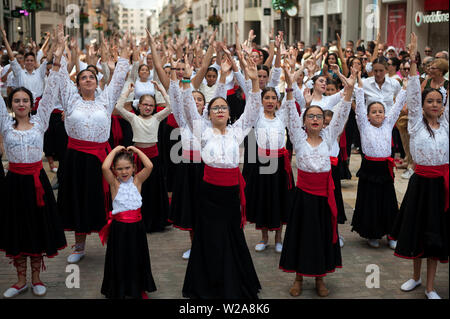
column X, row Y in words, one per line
column 390, row 160
column 434, row 172
column 320, row 184
column 343, row 146
column 116, row 130
column 36, row 103
column 129, row 216
column 334, row 160
column 192, row 156
column 31, row 169
column 100, row 150
column 171, row 121
column 159, row 108
column 57, row 111
column 150, row 152
column 227, row 177
column 279, row 153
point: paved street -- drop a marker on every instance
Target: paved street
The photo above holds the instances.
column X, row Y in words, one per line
column 169, row 268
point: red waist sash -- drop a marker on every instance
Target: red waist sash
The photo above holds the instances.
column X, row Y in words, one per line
column 434, row 172
column 343, row 146
column 193, row 156
column 57, row 111
column 334, row 161
column 320, row 184
column 129, row 216
column 116, row 130
column 227, row 177
column 36, row 103
column 279, row 153
column 171, row 121
column 390, row 160
column 31, row 169
column 100, row 150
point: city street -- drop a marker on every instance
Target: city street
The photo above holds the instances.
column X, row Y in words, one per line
column 169, row 268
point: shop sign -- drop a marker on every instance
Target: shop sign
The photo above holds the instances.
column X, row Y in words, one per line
column 433, row 17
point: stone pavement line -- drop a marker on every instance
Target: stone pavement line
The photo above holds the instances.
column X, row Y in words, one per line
column 169, row 268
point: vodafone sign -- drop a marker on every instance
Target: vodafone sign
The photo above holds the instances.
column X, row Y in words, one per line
column 433, row 17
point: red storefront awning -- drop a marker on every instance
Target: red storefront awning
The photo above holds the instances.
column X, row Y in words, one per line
column 435, row 5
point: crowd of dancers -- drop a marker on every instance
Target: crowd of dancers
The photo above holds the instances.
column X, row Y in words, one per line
column 110, row 116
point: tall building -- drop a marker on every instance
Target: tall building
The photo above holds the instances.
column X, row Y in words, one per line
column 132, row 19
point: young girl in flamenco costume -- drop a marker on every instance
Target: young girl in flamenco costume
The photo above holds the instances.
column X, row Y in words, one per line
column 127, row 261
column 421, row 227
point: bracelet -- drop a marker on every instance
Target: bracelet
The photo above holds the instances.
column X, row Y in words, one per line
column 56, row 64
column 289, row 90
column 272, row 41
column 185, row 81
column 186, row 78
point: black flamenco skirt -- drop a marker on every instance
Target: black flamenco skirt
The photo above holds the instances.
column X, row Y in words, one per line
column 155, row 202
column 344, row 170
column 250, row 154
column 127, row 271
column 185, row 198
column 55, row 141
column 422, row 226
column 127, row 135
column 308, row 248
column 25, row 228
column 341, row 217
column 220, row 265
column 81, row 201
column 267, row 196
column 376, row 202
column 170, row 168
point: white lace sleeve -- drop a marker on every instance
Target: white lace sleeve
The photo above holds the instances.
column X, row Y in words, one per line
column 333, row 100
column 294, row 123
column 195, row 122
column 275, row 78
column 282, row 113
column 5, row 119
column 241, row 81
column 394, row 112
column 67, row 92
column 176, row 103
column 336, row 126
column 446, row 115
column 167, row 110
column 361, row 110
column 248, row 119
column 299, row 98
column 48, row 102
column 414, row 104
column 221, row 90
column 116, row 85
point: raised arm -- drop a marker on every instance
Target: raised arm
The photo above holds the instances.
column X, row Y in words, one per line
column 48, row 102
column 5, row 119
column 106, row 169
column 127, row 115
column 145, row 172
column 157, row 62
column 176, row 103
column 393, row 114
column 198, row 78
column 167, row 110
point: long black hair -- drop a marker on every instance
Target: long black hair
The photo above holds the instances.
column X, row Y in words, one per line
column 20, row 89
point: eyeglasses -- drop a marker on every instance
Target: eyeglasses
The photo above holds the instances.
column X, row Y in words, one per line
column 428, row 51
column 222, row 108
column 317, row 116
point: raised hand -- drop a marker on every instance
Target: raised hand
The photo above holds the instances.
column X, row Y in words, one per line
column 288, row 75
column 252, row 71
column 307, row 96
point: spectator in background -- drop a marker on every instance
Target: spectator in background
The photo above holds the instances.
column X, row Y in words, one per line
column 438, row 68
column 426, row 67
column 442, row 55
column 391, row 53
column 428, row 51
column 403, row 55
column 404, row 69
column 393, row 68
column 360, row 51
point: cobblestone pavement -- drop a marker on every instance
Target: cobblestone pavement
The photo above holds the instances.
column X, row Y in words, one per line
column 169, row 268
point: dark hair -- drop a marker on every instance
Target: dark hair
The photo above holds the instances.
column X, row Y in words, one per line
column 215, row 99
column 141, row 66
column 29, row 54
column 93, row 66
column 382, row 61
column 395, row 62
column 85, row 70
column 333, row 82
column 328, row 57
column 263, row 67
column 265, row 55
column 424, row 96
column 212, row 69
column 328, row 113
column 124, row 155
column 20, row 89
column 268, row 89
column 373, row 103
column 310, row 107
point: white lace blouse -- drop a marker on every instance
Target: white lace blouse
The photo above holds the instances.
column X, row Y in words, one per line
column 26, row 146
column 325, row 103
column 221, row 150
column 315, row 159
column 88, row 120
column 127, row 198
column 271, row 133
column 425, row 149
column 141, row 88
column 188, row 141
column 376, row 141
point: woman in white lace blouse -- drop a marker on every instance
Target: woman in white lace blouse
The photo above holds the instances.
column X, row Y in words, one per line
column 220, row 265
column 376, row 202
column 83, row 195
column 311, row 246
column 422, row 225
column 29, row 220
